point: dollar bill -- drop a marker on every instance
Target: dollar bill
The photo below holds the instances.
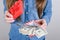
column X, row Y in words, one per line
column 33, row 29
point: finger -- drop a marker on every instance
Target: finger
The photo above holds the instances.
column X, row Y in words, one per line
column 44, row 23
column 38, row 20
column 8, row 14
column 6, row 18
column 10, row 21
column 43, row 26
column 29, row 23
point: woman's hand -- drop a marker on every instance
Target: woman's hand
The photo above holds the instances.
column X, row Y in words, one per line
column 42, row 23
column 8, row 17
column 30, row 23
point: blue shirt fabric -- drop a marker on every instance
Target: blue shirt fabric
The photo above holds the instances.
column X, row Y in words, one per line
column 30, row 13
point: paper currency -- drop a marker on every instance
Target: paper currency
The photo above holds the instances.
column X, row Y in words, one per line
column 32, row 29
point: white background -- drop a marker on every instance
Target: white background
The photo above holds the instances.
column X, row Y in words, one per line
column 53, row 27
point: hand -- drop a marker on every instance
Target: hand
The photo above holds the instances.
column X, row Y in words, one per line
column 30, row 23
column 42, row 23
column 8, row 17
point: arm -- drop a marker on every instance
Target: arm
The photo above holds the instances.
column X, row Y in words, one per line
column 47, row 11
column 10, row 18
column 4, row 3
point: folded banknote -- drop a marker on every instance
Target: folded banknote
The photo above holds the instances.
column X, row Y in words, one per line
column 32, row 29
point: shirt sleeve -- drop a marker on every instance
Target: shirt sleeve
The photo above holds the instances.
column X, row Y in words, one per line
column 47, row 13
column 4, row 4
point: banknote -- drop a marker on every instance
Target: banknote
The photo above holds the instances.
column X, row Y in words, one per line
column 33, row 29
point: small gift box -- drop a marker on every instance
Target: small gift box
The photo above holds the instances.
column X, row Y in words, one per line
column 16, row 9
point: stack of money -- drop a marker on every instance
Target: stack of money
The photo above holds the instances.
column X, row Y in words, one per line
column 32, row 29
